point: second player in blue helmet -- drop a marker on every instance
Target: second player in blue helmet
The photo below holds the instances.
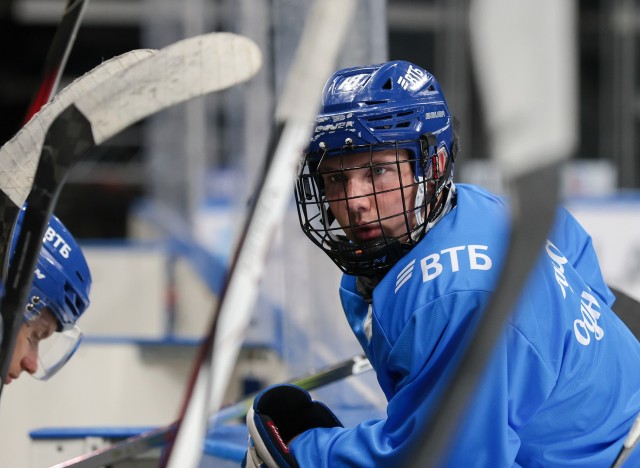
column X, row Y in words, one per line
column 58, row 297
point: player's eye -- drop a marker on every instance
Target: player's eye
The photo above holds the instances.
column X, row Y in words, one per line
column 378, row 170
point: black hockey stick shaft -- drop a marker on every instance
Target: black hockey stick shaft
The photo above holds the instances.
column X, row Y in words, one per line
column 139, row 444
column 58, row 55
column 529, row 231
column 628, row 309
column 55, row 62
column 68, row 138
column 532, row 182
column 54, row 65
column 447, row 415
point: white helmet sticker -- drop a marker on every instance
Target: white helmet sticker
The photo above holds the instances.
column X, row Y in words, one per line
column 57, row 242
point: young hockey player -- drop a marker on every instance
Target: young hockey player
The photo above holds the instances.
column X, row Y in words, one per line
column 421, row 257
column 59, row 295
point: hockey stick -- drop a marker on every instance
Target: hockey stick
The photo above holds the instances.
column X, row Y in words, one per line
column 629, row 444
column 58, row 54
column 628, row 309
column 55, row 62
column 179, row 72
column 313, row 63
column 529, row 231
column 137, row 445
column 535, row 137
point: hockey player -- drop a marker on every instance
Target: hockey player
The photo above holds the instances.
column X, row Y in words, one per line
column 59, row 295
column 421, row 257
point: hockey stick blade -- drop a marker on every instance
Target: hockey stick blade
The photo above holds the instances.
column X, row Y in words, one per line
column 313, row 63
column 58, row 54
column 182, row 71
column 179, row 72
column 137, row 445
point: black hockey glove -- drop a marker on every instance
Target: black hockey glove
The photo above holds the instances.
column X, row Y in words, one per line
column 278, row 414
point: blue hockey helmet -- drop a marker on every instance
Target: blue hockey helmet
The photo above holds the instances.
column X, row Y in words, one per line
column 61, row 285
column 396, row 105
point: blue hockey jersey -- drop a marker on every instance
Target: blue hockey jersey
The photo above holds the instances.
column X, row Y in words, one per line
column 562, row 387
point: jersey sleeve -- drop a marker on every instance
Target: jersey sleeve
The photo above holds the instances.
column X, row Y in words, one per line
column 420, row 361
column 577, row 246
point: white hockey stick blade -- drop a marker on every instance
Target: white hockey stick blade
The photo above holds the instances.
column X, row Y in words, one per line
column 314, row 62
column 19, row 156
column 181, row 71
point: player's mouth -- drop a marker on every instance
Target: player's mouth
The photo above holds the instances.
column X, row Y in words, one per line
column 367, row 231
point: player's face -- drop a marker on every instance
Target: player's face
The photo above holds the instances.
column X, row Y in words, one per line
column 371, row 194
column 25, row 353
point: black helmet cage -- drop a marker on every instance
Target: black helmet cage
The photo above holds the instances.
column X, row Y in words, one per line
column 375, row 257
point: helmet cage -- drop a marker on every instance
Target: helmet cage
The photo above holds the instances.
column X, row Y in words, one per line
column 377, row 256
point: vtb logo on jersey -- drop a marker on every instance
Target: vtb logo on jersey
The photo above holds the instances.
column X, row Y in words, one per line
column 452, row 259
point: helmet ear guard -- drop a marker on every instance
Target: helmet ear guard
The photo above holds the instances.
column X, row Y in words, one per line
column 62, row 280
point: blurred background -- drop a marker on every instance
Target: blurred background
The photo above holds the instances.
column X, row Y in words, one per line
column 430, row 33
column 157, row 208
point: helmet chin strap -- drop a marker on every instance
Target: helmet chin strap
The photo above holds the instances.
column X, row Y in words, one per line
column 419, row 214
column 438, row 207
column 419, row 200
